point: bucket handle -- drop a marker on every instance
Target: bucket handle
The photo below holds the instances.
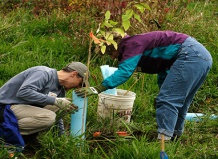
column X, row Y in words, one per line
column 132, row 85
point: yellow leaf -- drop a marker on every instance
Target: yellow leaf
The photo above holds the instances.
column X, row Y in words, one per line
column 103, row 49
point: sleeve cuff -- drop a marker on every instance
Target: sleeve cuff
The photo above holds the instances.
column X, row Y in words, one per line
column 51, row 100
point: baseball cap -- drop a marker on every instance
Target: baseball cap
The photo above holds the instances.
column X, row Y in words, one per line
column 81, row 69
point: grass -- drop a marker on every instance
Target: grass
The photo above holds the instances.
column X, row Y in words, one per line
column 56, row 39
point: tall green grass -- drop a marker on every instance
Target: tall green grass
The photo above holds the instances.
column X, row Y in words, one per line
column 55, row 39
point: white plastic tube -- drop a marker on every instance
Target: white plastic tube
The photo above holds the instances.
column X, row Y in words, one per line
column 106, row 72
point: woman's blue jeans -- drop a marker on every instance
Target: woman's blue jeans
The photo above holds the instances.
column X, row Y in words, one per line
column 185, row 77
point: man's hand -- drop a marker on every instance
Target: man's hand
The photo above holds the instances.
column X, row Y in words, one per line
column 66, row 104
column 62, row 102
column 90, row 91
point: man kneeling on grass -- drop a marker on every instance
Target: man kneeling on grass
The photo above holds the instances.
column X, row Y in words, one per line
column 29, row 100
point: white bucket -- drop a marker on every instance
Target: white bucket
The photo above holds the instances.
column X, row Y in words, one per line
column 116, row 106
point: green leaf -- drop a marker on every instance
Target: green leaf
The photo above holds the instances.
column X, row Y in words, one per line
column 108, row 42
column 129, row 13
column 113, row 22
column 140, row 7
column 146, row 6
column 119, row 31
column 108, row 25
column 109, row 36
column 126, row 25
column 136, row 16
column 114, row 43
column 107, row 15
column 103, row 49
column 124, row 17
column 102, row 33
column 101, row 44
column 102, row 25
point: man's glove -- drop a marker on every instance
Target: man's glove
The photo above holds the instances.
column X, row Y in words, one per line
column 66, row 105
column 62, row 102
column 90, row 90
